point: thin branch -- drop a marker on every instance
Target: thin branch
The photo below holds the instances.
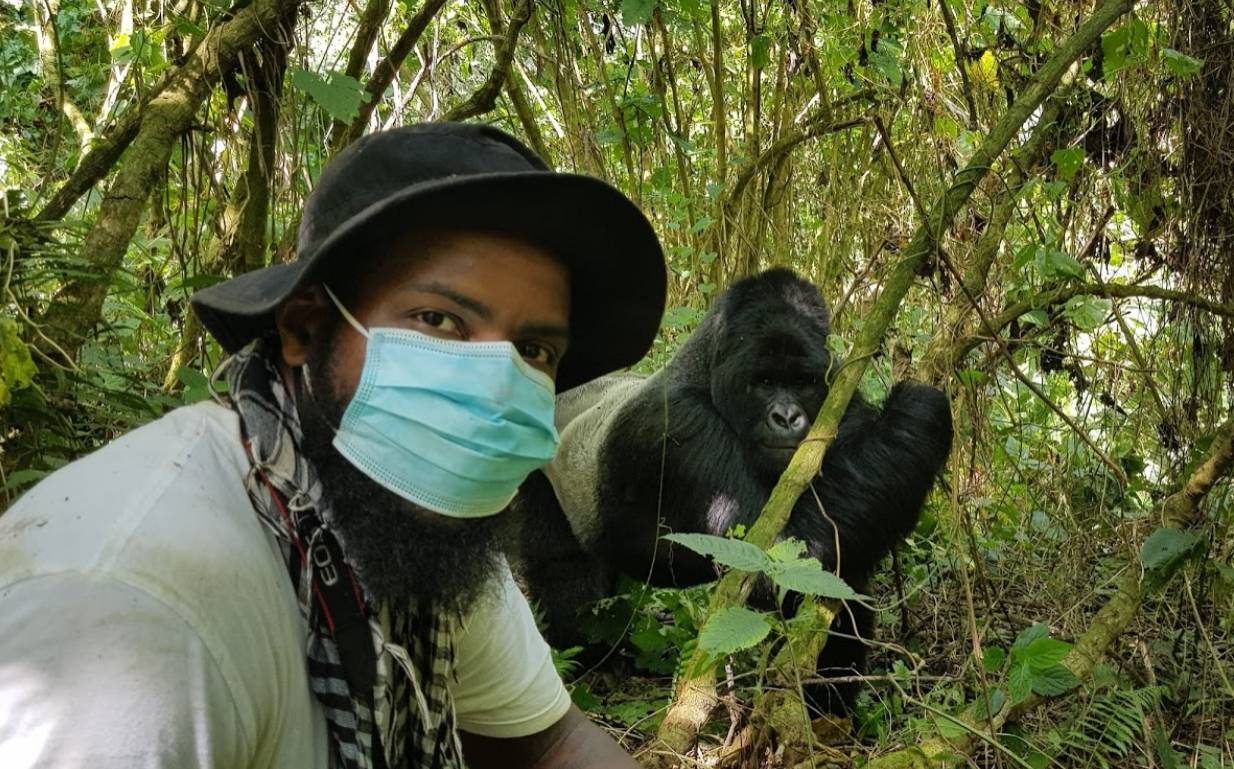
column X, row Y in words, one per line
column 1029, row 383
column 371, row 19
column 1056, row 296
column 949, row 20
column 384, row 72
column 972, row 300
column 485, row 97
column 783, row 145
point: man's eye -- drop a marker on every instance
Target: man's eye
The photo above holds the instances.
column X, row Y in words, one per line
column 439, row 321
column 537, row 353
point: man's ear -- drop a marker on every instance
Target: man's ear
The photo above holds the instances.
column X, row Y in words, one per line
column 299, row 320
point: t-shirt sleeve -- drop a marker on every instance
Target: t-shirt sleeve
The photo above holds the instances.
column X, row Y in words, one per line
column 96, row 673
column 506, row 685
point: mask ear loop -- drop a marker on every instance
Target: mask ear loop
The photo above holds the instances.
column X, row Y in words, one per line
column 346, row 315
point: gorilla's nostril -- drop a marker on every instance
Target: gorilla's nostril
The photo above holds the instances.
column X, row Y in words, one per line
column 787, row 418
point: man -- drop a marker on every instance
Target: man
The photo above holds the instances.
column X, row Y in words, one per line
column 305, row 574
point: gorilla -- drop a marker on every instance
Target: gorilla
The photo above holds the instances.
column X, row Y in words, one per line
column 698, row 446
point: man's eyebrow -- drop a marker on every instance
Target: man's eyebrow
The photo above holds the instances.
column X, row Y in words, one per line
column 476, row 306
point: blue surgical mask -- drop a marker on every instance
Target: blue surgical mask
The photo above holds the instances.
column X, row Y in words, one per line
column 452, row 426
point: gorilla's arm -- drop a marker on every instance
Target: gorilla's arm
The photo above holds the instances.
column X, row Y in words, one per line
column 875, row 477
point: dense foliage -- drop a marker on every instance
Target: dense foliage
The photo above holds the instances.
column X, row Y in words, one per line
column 1079, row 307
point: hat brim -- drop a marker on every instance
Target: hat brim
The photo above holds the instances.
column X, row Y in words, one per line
column 616, row 263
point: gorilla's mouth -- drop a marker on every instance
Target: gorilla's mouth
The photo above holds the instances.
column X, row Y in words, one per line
column 780, row 451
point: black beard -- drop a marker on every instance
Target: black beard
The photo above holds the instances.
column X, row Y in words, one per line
column 400, row 551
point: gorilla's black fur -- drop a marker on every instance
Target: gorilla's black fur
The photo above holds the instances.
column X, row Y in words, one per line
column 704, row 440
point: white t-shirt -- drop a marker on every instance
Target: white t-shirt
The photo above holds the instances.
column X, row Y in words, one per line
column 147, row 620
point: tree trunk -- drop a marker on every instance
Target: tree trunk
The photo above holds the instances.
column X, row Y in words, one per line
column 78, row 306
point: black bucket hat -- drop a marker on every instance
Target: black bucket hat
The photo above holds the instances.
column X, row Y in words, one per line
column 469, row 176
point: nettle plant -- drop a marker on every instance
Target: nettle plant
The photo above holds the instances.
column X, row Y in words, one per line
column 739, row 628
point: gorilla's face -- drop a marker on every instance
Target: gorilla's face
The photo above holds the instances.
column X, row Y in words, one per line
column 768, row 387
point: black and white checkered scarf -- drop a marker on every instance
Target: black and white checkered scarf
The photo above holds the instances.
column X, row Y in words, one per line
column 412, row 709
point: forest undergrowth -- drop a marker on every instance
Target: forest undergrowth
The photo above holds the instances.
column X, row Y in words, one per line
column 1048, row 185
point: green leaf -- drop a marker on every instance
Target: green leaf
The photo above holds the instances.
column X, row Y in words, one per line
column 730, row 552
column 1180, row 63
column 680, row 317
column 609, row 136
column 993, row 659
column 787, row 550
column 732, row 629
column 949, row 729
column 1124, row 47
column 196, row 385
column 1020, row 683
column 200, row 280
column 1087, row 312
column 338, row 94
column 1053, row 680
column 635, row 12
column 1165, row 548
column 19, row 478
column 886, row 60
column 971, row 377
column 1035, row 318
column 582, row 696
column 1057, row 264
column 987, row 707
column 1027, row 636
column 1044, row 653
column 808, row 576
column 191, row 377
column 1068, row 160
column 760, row 51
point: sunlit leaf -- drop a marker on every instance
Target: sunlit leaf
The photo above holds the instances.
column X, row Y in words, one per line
column 789, row 549
column 808, row 576
column 1044, row 653
column 731, row 630
column 730, row 552
column 1180, row 63
column 1027, row 636
column 1087, row 312
column 340, row 95
column 1020, row 683
column 635, row 12
column 1068, row 161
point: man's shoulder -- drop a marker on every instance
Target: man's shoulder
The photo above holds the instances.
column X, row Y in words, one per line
column 155, row 533
column 174, row 484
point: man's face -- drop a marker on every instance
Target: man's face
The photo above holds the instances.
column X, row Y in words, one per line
column 454, row 285
column 467, row 286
